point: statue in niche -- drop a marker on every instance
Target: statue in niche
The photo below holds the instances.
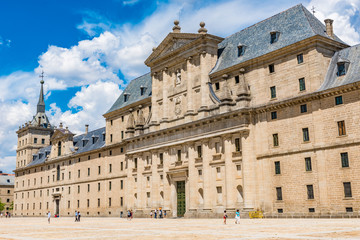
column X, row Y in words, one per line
column 178, row 77
column 177, row 106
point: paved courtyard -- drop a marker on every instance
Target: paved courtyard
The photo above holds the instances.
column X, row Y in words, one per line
column 116, row 228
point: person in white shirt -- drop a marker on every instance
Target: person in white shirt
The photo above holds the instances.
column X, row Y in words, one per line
column 49, row 216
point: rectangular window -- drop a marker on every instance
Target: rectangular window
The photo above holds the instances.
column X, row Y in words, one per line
column 347, row 189
column 99, row 170
column 88, row 203
column 273, row 115
column 277, row 167
column 135, row 162
column 344, row 159
column 300, row 58
column 161, row 156
column 302, row 84
column 273, row 92
column 349, row 209
column 35, row 140
column 338, row 100
column 341, row 69
column 271, row 68
column 109, row 202
column 88, row 187
column 69, row 175
column 98, row 202
column 121, row 166
column 280, row 210
column 88, row 171
column 237, row 145
column 78, row 188
column 199, row 151
column 99, row 187
column 111, row 138
column 275, row 140
column 306, row 137
column 78, row 173
column 110, row 168
column 279, row 194
column 310, row 191
column 237, row 79
column 179, row 155
column 308, row 166
column 42, row 141
column 110, row 186
column 121, row 201
column 217, row 86
column 241, row 50
column 110, row 152
column 341, row 128
column 311, row 209
column 122, row 134
column 121, row 184
column 217, row 147
column 303, row 108
column 273, row 37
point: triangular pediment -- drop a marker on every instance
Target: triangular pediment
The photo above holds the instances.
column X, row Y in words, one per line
column 170, row 44
column 60, row 134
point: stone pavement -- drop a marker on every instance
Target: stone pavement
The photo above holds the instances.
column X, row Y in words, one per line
column 209, row 229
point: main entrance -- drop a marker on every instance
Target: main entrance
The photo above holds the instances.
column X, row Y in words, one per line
column 57, row 201
column 180, row 190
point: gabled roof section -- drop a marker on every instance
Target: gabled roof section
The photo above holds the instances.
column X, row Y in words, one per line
column 7, row 179
column 293, row 25
column 133, row 92
column 350, row 56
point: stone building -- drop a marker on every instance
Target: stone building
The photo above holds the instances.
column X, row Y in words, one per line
column 267, row 118
column 7, row 192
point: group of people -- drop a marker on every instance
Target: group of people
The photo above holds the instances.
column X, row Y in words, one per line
column 77, row 216
column 7, row 215
column 129, row 214
column 158, row 213
column 237, row 217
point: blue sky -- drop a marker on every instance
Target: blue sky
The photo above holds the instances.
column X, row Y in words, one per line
column 90, row 50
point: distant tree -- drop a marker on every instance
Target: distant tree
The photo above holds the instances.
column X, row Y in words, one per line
column 2, row 206
column 11, row 206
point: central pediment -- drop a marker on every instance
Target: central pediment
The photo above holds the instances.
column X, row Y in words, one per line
column 61, row 133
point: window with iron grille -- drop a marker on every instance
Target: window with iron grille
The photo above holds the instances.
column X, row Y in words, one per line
column 302, row 84
column 308, row 166
column 277, row 167
column 306, row 137
column 310, row 191
column 279, row 194
column 347, row 189
column 344, row 159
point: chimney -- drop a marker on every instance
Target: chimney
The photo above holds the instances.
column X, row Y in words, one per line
column 329, row 27
column 86, row 128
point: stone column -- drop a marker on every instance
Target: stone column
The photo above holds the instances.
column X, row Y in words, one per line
column 193, row 181
column 204, row 79
column 190, row 95
column 166, row 79
column 248, row 171
column 155, row 181
column 229, row 173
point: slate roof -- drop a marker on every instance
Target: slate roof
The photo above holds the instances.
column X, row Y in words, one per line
column 133, row 91
column 7, row 180
column 351, row 55
column 79, row 143
column 294, row 25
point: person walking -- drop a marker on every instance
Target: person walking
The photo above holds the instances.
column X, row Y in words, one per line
column 225, row 217
column 121, row 214
column 160, row 213
column 151, row 213
column 131, row 214
column 237, row 217
column 128, row 215
column 164, row 213
column 155, row 213
column 49, row 216
column 79, row 215
column 76, row 216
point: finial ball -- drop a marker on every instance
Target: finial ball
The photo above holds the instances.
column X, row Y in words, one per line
column 42, row 81
column 176, row 22
column 202, row 24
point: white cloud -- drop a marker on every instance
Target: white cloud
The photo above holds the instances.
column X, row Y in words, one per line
column 130, row 2
column 7, row 164
column 5, row 42
column 341, row 12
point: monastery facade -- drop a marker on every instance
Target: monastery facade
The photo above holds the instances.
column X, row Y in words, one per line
column 265, row 119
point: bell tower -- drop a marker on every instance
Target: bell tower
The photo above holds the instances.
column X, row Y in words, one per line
column 34, row 134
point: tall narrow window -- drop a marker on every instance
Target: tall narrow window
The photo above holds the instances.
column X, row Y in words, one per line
column 217, row 147
column 241, row 50
column 142, row 91
column 344, row 159
column 161, row 156
column 217, row 86
column 273, row 115
column 277, row 167
column 347, row 189
column 88, row 171
column 88, row 187
column 99, row 170
column 126, row 96
column 273, row 92
column 199, row 151
column 302, row 84
column 237, row 145
column 99, row 187
column 237, row 79
column 110, row 186
column 300, row 58
column 275, row 140
column 341, row 69
column 308, row 166
column 110, row 168
column 58, row 173
column 35, row 140
column 109, row 202
column 279, row 194
column 135, row 162
column 338, row 100
column 179, row 155
column 271, row 68
column 121, row 184
column 59, row 148
column 306, row 137
column 111, row 138
column 274, row 37
column 341, row 128
column 310, row 191
column 122, row 134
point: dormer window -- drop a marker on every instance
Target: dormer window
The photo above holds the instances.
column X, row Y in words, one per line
column 103, row 136
column 84, row 142
column 241, row 50
column 341, row 69
column 94, row 138
column 126, row 97
column 274, row 37
column 142, row 90
column 217, row 86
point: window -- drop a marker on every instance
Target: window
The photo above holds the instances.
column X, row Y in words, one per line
column 121, row 184
column 271, row 68
column 273, row 115
column 303, row 108
column 341, row 128
column 78, row 203
column 121, row 150
column 241, row 50
column 99, row 170
column 300, row 58
column 99, row 187
column 109, row 202
column 237, row 79
column 121, row 201
column 98, row 202
column 88, row 171
column 311, row 209
column 338, row 100
column 161, row 156
column 122, row 134
column 275, row 140
column 110, row 186
column 305, row 134
column 78, row 188
column 341, row 69
column 344, row 159
column 237, row 145
column 280, row 210
column 59, row 148
column 274, row 36
column 88, row 187
column 310, row 191
column 35, row 140
column 69, row 175
column 111, row 122
column 199, row 151
column 110, row 168
column 217, row 147
column 121, row 166
column 88, row 203
column 200, row 172
column 302, row 84
column 111, row 138
column 135, row 162
column 179, row 155
column 58, row 173
column 142, row 91
column 217, row 86
column 277, row 167
column 308, row 166
column 42, row 141
column 349, row 209
column 110, row 153
column 347, row 189
column 79, row 173
column 126, row 97
column 279, row 194
column 273, row 92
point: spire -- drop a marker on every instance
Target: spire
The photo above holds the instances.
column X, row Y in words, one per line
column 41, row 103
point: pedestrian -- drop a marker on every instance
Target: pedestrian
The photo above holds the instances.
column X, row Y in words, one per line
column 49, row 216
column 79, row 215
column 128, row 215
column 76, row 216
column 225, row 217
column 155, row 213
column 1, row 215
column 237, row 217
column 164, row 213
column 160, row 213
column 121, row 214
column 151, row 213
column 131, row 214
